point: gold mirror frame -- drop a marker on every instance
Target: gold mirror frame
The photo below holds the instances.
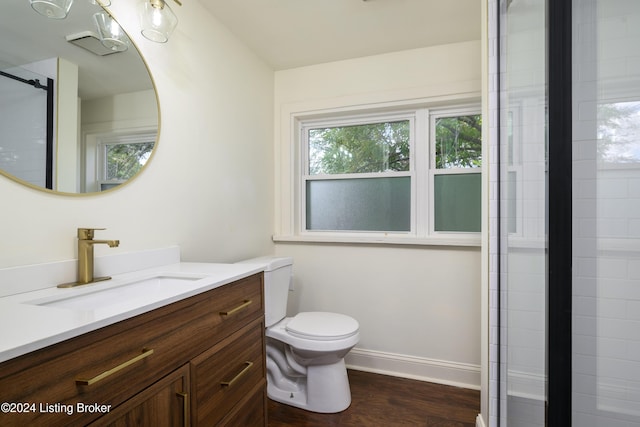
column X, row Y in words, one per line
column 78, row 7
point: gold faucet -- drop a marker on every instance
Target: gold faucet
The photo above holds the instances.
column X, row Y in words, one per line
column 85, row 257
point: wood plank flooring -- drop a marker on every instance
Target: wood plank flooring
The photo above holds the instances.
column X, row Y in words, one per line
column 385, row 401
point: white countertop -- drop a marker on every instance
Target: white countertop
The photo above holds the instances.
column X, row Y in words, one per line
column 28, row 324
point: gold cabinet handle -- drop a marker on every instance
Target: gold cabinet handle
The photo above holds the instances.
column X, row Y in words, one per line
column 248, row 366
column 146, row 352
column 236, row 309
column 185, row 408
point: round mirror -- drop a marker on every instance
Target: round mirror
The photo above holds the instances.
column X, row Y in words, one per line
column 78, row 109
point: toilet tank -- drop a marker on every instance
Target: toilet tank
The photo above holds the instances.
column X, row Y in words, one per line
column 278, row 273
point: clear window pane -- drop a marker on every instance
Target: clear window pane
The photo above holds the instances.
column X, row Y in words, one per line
column 459, row 142
column 123, row 161
column 457, row 202
column 375, row 147
column 366, row 204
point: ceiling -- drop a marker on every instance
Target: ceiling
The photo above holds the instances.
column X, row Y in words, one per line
column 27, row 37
column 285, row 33
column 294, row 33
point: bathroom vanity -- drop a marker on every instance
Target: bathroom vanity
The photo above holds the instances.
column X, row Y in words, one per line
column 195, row 361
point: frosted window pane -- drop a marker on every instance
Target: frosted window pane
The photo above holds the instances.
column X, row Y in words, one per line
column 365, row 204
column 457, row 202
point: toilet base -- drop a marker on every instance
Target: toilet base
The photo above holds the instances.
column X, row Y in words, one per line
column 325, row 389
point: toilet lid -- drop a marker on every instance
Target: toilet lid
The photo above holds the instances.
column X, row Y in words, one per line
column 322, row 326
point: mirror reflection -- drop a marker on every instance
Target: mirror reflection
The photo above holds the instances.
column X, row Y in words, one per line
column 78, row 110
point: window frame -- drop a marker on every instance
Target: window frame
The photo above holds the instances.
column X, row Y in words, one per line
column 434, row 115
column 101, row 155
column 350, row 120
column 421, row 172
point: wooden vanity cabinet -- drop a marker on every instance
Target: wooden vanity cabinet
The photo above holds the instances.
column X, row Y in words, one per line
column 163, row 404
column 226, row 373
column 199, row 361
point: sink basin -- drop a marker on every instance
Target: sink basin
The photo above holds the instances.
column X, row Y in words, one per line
column 117, row 293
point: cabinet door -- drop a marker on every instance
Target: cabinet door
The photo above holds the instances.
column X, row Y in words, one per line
column 164, row 404
column 225, row 374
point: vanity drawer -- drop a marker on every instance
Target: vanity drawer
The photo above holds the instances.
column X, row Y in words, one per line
column 240, row 303
column 110, row 365
column 228, row 372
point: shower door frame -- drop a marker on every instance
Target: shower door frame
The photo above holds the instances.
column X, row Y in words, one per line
column 559, row 205
column 49, row 146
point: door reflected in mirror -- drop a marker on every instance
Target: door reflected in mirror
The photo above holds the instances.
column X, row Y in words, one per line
column 76, row 114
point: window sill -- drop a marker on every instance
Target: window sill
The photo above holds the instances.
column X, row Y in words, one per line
column 465, row 241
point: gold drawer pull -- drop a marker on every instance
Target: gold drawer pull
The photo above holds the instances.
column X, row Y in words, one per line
column 237, row 377
column 146, row 352
column 185, row 408
column 238, row 308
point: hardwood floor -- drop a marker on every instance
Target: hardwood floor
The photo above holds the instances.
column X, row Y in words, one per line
column 381, row 400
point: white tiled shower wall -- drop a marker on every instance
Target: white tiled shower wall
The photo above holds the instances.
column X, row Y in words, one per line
column 522, row 216
column 23, row 113
column 494, row 255
column 606, row 218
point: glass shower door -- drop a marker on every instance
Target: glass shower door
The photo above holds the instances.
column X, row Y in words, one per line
column 25, row 129
column 523, row 224
column 606, row 218
column 603, row 359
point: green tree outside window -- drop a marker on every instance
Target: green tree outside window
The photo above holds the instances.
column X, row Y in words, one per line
column 126, row 160
column 459, row 142
column 369, row 148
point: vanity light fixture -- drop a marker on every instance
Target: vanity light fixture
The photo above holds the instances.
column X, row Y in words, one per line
column 54, row 9
column 157, row 20
column 111, row 34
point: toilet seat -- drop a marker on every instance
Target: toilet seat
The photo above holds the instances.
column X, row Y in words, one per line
column 315, row 334
column 322, row 326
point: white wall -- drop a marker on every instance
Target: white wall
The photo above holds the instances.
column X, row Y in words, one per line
column 209, row 185
column 418, row 306
column 124, row 109
column 132, row 113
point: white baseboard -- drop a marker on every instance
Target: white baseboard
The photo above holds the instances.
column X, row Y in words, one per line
column 480, row 421
column 399, row 365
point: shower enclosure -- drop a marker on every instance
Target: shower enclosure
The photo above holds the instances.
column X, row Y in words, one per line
column 26, row 126
column 566, row 277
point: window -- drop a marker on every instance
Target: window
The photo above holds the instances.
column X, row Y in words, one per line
column 358, row 176
column 122, row 157
column 456, row 177
column 408, row 173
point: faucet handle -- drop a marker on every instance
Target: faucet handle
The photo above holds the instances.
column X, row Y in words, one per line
column 87, row 233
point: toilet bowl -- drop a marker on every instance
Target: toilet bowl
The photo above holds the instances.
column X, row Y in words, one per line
column 305, row 352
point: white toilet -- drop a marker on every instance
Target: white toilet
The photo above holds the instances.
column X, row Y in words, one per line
column 305, row 353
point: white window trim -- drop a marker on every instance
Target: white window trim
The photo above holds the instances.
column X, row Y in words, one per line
column 290, row 164
column 433, row 171
column 93, row 154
